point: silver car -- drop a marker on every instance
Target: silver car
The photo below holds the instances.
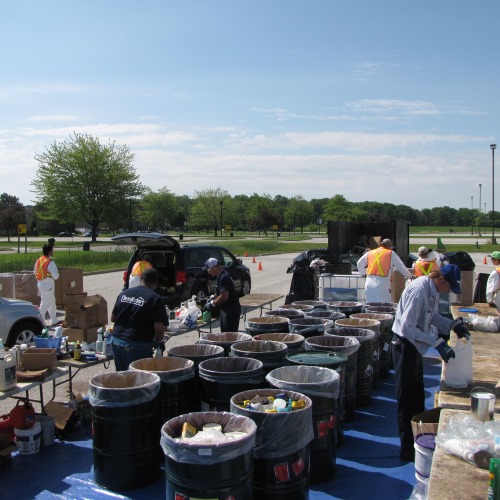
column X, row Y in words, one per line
column 20, row 321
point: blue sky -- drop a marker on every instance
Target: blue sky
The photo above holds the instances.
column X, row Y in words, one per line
column 381, row 100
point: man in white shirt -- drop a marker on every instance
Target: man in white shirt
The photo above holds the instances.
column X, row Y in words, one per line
column 46, row 272
column 493, row 283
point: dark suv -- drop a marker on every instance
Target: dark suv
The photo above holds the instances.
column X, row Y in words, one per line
column 181, row 267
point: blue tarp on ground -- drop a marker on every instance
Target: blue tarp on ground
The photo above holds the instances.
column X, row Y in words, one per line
column 368, row 464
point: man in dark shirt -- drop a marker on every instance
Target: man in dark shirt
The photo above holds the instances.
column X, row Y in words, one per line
column 139, row 317
column 226, row 297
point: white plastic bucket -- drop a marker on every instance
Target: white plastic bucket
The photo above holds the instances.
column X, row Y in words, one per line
column 424, row 451
column 421, row 486
column 8, row 365
column 28, row 440
column 48, row 424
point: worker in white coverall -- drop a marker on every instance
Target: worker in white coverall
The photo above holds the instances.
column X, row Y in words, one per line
column 46, row 272
column 377, row 266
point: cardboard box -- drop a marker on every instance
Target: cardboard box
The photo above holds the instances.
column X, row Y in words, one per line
column 426, row 422
column 70, row 281
column 88, row 335
column 65, row 418
column 39, row 358
column 398, row 284
column 76, row 298
column 466, row 298
column 93, row 312
column 20, row 285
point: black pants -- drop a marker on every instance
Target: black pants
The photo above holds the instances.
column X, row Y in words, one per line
column 409, row 375
column 230, row 318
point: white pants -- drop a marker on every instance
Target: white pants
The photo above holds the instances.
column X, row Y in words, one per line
column 378, row 289
column 47, row 290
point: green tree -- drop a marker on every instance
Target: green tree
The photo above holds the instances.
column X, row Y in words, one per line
column 81, row 179
column 299, row 213
column 158, row 209
column 340, row 209
column 206, row 209
column 12, row 213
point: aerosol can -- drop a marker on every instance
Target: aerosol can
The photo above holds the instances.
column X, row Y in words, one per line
column 107, row 348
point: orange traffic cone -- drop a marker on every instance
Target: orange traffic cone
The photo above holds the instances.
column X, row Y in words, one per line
column 260, row 267
column 485, row 261
column 253, row 260
column 245, row 254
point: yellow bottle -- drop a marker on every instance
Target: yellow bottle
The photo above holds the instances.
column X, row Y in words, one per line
column 77, row 353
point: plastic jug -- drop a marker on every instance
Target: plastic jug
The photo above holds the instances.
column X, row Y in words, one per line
column 8, row 370
column 22, row 416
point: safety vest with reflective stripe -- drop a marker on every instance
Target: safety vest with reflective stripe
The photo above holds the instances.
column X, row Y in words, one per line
column 425, row 267
column 140, row 267
column 42, row 265
column 497, row 269
column 379, row 261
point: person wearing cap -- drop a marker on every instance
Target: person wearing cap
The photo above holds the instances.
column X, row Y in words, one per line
column 417, row 327
column 428, row 261
column 139, row 316
column 225, row 298
column 493, row 283
column 139, row 267
column 377, row 266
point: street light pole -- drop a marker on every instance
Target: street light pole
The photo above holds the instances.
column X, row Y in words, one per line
column 221, row 203
column 480, row 215
column 493, row 147
column 472, row 215
column 259, row 218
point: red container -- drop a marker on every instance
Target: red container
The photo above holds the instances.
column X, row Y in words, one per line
column 23, row 416
column 6, row 426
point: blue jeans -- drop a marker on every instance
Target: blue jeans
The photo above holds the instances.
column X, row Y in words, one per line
column 127, row 351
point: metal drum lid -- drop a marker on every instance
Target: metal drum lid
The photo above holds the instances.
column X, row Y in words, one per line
column 317, row 358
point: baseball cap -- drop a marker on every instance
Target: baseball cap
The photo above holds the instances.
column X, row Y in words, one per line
column 452, row 274
column 495, row 255
column 423, row 251
column 211, row 262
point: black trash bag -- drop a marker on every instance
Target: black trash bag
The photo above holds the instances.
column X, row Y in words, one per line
column 461, row 259
column 480, row 290
column 302, row 286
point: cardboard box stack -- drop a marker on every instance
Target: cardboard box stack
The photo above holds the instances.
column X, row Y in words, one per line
column 19, row 285
column 70, row 282
column 84, row 316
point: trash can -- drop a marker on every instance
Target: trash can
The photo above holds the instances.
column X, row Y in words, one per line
column 322, row 385
column 345, row 307
column 224, row 340
column 281, row 452
column 384, row 341
column 346, row 346
column 177, row 384
column 293, row 341
column 285, row 313
column 196, row 353
column 272, row 354
column 126, row 430
column 364, row 360
column 181, row 237
column 222, row 378
column 216, row 464
column 328, row 314
column 368, row 324
column 86, row 246
column 266, row 324
column 315, row 304
column 310, row 327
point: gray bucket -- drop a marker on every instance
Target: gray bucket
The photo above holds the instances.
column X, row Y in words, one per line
column 309, row 327
column 384, row 341
column 266, row 324
column 346, row 307
column 293, row 341
column 272, row 354
column 328, row 314
column 224, row 339
column 285, row 313
column 369, row 324
column 364, row 360
column 315, row 304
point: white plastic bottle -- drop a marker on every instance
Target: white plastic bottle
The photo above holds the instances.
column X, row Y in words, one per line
column 99, row 345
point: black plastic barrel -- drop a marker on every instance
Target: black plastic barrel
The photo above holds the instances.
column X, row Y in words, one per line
column 381, row 309
column 293, row 341
column 224, row 340
column 126, row 428
column 364, row 360
column 384, row 341
column 177, row 384
column 325, row 314
column 266, row 324
column 222, row 378
column 285, row 313
column 219, row 470
column 322, row 386
column 347, row 346
column 272, row 354
column 346, row 307
column 381, row 304
column 368, row 324
column 310, row 327
column 299, row 307
column 281, row 452
column 315, row 304
column 196, row 353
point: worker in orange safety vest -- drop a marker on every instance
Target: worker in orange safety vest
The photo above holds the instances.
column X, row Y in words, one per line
column 377, row 266
column 428, row 261
column 139, row 267
column 46, row 272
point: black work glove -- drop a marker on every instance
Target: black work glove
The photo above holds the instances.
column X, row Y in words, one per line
column 445, row 351
column 160, row 345
column 460, row 329
column 444, row 336
column 209, row 306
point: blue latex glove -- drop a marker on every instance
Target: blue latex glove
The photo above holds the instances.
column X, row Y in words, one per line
column 460, row 329
column 445, row 351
